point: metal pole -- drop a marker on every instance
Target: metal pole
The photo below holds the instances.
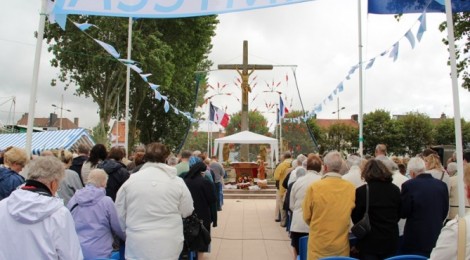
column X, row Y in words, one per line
column 34, row 84
column 456, row 101
column 61, row 110
column 128, row 83
column 361, row 123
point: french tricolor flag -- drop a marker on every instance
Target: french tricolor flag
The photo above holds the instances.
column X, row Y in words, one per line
column 282, row 108
column 218, row 116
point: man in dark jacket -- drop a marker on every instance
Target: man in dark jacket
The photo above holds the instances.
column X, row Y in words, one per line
column 77, row 162
column 425, row 204
column 116, row 170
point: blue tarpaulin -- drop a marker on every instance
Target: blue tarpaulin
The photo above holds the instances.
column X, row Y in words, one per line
column 49, row 140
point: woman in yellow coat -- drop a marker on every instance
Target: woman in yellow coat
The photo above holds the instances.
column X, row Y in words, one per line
column 327, row 209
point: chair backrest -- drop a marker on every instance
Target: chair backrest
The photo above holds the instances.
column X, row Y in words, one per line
column 407, row 257
column 338, row 258
column 303, row 246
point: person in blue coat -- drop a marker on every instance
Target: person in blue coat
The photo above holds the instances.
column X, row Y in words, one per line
column 14, row 161
column 425, row 204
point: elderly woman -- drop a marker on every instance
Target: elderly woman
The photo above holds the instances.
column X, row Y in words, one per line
column 95, row 217
column 298, row 227
column 384, row 211
column 34, row 223
column 71, row 182
column 10, row 178
column 150, row 206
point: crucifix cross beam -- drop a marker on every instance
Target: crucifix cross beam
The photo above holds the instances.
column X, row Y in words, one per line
column 245, row 70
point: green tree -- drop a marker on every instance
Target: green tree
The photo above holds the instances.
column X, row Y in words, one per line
column 341, row 137
column 461, row 32
column 196, row 141
column 295, row 133
column 417, row 132
column 257, row 123
column 379, row 128
column 444, row 132
column 171, row 49
column 319, row 134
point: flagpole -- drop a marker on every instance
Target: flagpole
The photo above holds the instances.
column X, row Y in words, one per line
column 208, row 127
column 280, row 126
column 361, row 113
column 128, row 83
column 34, row 83
column 456, row 101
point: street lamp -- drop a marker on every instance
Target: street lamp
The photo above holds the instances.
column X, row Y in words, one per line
column 338, row 109
column 61, row 110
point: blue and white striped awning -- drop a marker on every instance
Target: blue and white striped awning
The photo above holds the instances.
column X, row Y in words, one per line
column 48, row 140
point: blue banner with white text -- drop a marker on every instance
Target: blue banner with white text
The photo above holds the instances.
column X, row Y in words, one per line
column 162, row 8
column 415, row 6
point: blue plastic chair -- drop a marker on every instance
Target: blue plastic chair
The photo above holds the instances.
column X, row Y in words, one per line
column 338, row 258
column 303, row 245
column 407, row 257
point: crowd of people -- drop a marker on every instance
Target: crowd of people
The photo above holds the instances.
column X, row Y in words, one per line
column 82, row 206
column 411, row 204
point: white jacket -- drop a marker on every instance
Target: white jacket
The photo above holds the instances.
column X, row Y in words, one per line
column 150, row 206
column 297, row 196
column 354, row 176
column 446, row 245
column 37, row 227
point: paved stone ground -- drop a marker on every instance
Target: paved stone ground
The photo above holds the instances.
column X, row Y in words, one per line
column 246, row 230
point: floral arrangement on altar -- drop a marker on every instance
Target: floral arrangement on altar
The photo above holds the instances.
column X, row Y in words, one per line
column 244, row 182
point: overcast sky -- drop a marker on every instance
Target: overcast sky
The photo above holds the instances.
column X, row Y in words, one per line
column 319, row 37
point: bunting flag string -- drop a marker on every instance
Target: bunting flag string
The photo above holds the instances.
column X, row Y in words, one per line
column 133, row 65
column 392, row 52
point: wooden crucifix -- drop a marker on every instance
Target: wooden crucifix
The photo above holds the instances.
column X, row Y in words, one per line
column 245, row 70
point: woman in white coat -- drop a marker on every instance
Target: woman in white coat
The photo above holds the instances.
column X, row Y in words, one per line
column 298, row 227
column 150, row 206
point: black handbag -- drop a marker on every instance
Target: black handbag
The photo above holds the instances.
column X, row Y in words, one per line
column 195, row 233
column 362, row 228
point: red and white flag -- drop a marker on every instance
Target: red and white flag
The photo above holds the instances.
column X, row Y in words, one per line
column 218, row 116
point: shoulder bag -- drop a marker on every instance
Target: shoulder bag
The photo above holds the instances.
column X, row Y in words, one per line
column 362, row 228
column 195, row 234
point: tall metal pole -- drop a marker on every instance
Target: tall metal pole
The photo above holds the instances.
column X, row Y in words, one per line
column 361, row 122
column 456, row 101
column 61, row 110
column 34, row 83
column 128, row 83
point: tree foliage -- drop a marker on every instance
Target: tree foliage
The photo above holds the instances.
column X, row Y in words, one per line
column 380, row 129
column 171, row 49
column 444, row 132
column 341, row 137
column 295, row 134
column 461, row 32
column 257, row 123
column 416, row 129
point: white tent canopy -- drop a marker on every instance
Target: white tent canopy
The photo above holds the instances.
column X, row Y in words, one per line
column 246, row 137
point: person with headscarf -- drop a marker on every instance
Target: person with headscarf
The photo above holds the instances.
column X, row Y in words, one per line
column 203, row 194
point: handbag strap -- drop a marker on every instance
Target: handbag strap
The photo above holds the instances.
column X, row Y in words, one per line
column 367, row 198
column 462, row 239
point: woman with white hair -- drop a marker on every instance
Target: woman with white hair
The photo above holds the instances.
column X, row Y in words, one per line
column 95, row 217
column 34, row 223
